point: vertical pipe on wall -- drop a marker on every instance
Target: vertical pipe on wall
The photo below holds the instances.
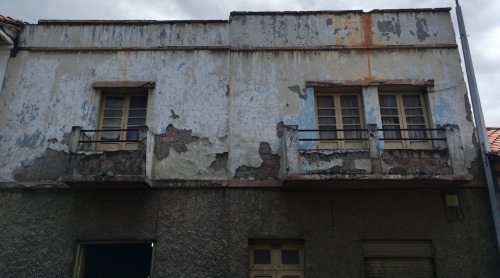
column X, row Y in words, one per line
column 479, row 119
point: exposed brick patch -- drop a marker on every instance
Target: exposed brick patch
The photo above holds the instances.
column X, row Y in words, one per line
column 174, row 138
column 267, row 170
column 220, row 161
column 50, row 166
column 405, row 162
column 316, row 158
column 124, row 163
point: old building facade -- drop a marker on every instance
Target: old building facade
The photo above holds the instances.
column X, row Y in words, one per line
column 274, row 144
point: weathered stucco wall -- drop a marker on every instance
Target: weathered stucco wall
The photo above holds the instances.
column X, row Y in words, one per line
column 341, row 28
column 205, row 232
column 223, row 89
column 126, row 34
column 48, row 93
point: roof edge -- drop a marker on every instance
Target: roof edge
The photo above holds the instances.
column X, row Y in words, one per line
column 233, row 13
column 124, row 22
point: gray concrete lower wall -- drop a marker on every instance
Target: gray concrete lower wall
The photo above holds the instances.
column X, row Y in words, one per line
column 205, row 232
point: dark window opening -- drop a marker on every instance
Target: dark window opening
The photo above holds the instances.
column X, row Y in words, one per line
column 115, row 260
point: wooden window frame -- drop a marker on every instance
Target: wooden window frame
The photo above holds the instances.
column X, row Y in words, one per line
column 412, row 143
column 127, row 94
column 276, row 268
column 339, row 142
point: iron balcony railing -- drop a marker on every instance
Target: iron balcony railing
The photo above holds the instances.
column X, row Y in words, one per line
column 362, row 132
column 83, row 134
column 402, row 134
column 409, row 134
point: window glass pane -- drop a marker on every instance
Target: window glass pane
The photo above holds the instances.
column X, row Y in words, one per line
column 414, row 112
column 389, row 134
column 326, row 121
column 356, row 134
column 133, row 135
column 114, row 102
column 349, row 101
column 388, row 112
column 110, row 135
column 411, row 101
column 387, row 101
column 290, row 257
column 328, row 134
column 324, row 102
column 138, row 101
column 415, row 120
column 390, row 120
column 326, row 112
column 113, row 113
column 350, row 120
column 137, row 113
column 417, row 134
column 261, row 256
column 136, row 121
column 350, row 112
column 111, row 122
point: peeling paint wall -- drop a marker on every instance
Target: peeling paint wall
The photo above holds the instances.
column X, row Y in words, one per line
column 228, row 85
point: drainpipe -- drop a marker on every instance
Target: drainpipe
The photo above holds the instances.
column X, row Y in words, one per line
column 479, row 119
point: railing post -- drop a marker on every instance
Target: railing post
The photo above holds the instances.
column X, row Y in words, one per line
column 373, row 144
column 455, row 148
column 74, row 138
column 290, row 148
column 150, row 146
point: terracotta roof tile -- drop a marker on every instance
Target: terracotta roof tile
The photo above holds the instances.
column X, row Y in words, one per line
column 8, row 19
column 494, row 139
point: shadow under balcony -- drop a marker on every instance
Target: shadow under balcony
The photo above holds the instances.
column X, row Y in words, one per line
column 368, row 160
column 100, row 162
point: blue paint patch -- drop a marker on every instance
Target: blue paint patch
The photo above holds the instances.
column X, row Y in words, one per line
column 372, row 116
column 306, row 119
column 31, row 141
column 441, row 110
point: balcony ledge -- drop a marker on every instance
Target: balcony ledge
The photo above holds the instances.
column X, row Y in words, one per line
column 374, row 181
column 106, row 182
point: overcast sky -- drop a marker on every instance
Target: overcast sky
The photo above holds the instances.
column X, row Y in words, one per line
column 482, row 19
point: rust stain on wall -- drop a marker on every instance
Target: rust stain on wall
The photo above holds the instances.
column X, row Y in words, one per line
column 366, row 25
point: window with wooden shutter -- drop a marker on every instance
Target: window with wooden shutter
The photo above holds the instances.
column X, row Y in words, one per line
column 404, row 120
column 398, row 258
column 276, row 258
column 124, row 111
column 339, row 119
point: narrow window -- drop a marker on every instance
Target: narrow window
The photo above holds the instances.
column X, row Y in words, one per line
column 404, row 121
column 98, row 260
column 125, row 112
column 276, row 258
column 339, row 120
